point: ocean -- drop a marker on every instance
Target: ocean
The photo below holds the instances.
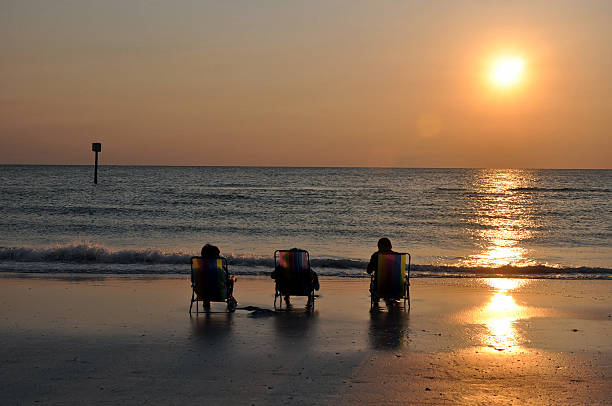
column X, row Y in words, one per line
column 453, row 222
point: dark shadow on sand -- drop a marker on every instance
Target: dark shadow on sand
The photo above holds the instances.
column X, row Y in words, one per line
column 295, row 327
column 212, row 328
column 389, row 327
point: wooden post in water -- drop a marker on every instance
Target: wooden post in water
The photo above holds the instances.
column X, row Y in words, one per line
column 96, row 147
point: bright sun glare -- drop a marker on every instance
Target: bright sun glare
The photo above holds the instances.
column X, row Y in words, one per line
column 507, row 71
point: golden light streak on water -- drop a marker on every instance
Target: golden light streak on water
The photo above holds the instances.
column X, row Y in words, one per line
column 504, row 219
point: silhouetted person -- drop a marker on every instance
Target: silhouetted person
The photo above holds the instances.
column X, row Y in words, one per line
column 284, row 279
column 212, row 251
column 384, row 247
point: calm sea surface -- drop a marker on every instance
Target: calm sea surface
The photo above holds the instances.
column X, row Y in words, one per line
column 458, row 222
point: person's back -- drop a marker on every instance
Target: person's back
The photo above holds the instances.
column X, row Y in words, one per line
column 212, row 251
column 384, row 247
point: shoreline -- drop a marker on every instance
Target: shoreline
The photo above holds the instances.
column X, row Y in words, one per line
column 465, row 341
column 450, row 272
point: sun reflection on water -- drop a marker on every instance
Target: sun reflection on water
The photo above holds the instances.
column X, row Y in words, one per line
column 503, row 218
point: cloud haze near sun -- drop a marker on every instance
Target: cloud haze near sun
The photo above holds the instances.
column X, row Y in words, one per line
column 344, row 83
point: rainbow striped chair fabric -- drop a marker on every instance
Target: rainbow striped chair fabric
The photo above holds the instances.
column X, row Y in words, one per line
column 392, row 278
column 210, row 282
column 293, row 275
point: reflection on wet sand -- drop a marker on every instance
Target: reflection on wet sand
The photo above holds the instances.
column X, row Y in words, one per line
column 213, row 328
column 389, row 329
column 500, row 315
column 294, row 330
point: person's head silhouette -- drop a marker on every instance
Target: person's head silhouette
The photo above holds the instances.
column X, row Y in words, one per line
column 384, row 244
column 210, row 251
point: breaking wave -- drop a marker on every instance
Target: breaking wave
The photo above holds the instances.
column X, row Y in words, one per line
column 90, row 253
column 87, row 258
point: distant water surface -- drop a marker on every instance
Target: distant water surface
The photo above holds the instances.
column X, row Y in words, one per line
column 453, row 221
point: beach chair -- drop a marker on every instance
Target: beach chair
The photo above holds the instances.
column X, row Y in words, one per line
column 210, row 282
column 293, row 276
column 391, row 281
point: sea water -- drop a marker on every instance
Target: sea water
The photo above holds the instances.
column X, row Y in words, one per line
column 453, row 222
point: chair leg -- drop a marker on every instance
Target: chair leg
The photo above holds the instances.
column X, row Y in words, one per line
column 277, row 295
column 373, row 298
column 311, row 301
column 191, row 304
column 408, row 297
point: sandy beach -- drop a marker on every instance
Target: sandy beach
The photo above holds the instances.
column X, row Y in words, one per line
column 465, row 341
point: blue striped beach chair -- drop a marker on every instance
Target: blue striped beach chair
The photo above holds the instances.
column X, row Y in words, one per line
column 391, row 281
column 211, row 282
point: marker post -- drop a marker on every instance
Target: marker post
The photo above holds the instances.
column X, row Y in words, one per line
column 96, row 147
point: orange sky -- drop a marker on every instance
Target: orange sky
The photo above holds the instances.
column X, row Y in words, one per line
column 319, row 83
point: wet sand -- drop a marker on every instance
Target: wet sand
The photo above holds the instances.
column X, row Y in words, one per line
column 465, row 341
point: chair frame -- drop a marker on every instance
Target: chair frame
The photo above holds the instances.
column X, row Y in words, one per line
column 278, row 293
column 406, row 294
column 230, row 300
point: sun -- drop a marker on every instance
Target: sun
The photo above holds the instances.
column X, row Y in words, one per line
column 507, row 71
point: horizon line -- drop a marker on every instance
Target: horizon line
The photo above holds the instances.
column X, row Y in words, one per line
column 312, row 166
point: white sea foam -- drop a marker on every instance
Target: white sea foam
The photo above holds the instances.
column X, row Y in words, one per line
column 87, row 257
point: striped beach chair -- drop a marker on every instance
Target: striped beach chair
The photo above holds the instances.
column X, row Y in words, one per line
column 210, row 282
column 293, row 275
column 391, row 281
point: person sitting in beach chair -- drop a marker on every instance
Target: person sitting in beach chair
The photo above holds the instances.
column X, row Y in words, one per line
column 210, row 280
column 293, row 276
column 389, row 278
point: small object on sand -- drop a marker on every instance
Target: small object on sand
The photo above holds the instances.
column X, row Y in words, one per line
column 258, row 311
column 427, row 389
column 575, row 329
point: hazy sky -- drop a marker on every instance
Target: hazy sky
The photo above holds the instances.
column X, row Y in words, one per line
column 305, row 83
